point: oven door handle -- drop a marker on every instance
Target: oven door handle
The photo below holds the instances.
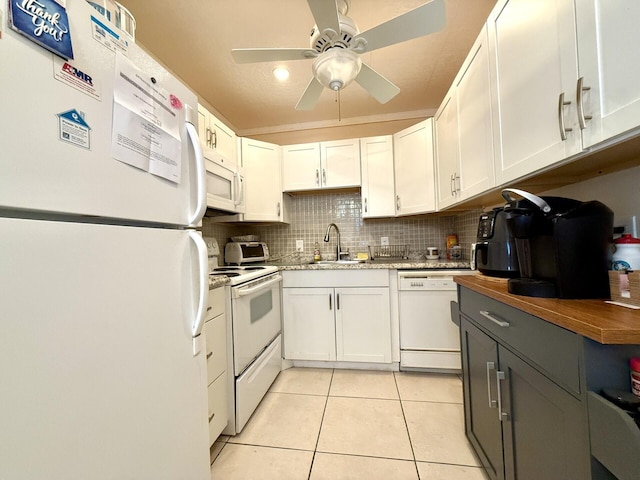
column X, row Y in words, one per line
column 243, row 292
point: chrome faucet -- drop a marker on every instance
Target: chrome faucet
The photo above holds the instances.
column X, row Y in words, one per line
column 339, row 252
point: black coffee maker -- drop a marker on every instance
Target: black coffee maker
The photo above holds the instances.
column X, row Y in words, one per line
column 495, row 248
column 562, row 245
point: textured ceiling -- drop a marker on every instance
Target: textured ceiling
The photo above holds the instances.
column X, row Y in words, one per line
column 194, row 38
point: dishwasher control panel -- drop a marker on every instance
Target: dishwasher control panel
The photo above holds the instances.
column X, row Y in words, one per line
column 429, row 280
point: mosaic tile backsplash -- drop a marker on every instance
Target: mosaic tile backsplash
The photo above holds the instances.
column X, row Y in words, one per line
column 310, row 215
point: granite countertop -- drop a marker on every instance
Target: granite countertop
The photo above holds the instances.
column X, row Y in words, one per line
column 594, row 319
column 389, row 264
column 216, row 281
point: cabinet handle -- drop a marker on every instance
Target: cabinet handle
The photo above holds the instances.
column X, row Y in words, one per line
column 582, row 118
column 337, row 301
column 561, row 105
column 324, row 177
column 452, row 185
column 398, row 202
column 214, row 135
column 278, row 209
column 209, row 355
column 211, row 417
column 490, row 366
column 489, row 316
column 502, row 416
column 317, row 177
column 365, row 205
column 330, row 304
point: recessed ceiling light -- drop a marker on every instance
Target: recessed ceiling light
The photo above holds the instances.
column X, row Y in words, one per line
column 281, row 73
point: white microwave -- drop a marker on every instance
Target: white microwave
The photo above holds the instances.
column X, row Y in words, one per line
column 225, row 184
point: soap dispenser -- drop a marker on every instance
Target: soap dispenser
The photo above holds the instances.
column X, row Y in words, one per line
column 316, row 253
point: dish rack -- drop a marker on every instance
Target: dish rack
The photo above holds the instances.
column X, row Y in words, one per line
column 388, row 251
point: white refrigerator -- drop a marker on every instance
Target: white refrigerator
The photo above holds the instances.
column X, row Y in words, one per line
column 103, row 278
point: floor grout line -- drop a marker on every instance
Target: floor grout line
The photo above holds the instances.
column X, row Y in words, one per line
column 326, row 401
column 406, row 425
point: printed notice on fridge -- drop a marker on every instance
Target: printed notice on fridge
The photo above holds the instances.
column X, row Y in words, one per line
column 146, row 128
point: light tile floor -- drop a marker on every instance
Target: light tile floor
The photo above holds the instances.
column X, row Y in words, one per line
column 326, row 424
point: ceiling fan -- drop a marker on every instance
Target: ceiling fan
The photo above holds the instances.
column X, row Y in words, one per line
column 336, row 45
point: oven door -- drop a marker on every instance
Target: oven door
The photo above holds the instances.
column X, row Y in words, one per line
column 256, row 314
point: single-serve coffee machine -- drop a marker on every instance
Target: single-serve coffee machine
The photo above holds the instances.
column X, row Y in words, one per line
column 562, row 245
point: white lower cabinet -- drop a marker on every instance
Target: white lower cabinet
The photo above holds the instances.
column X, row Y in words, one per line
column 215, row 330
column 349, row 321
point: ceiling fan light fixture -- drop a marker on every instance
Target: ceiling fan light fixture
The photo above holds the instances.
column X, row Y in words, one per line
column 281, row 73
column 336, row 68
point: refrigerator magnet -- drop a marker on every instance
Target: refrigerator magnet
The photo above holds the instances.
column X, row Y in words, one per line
column 44, row 22
column 73, row 129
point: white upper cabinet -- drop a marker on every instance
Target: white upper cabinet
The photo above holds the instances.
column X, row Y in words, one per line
column 378, row 193
column 313, row 166
column 264, row 201
column 609, row 66
column 533, row 45
column 464, row 133
column 414, row 169
column 218, row 140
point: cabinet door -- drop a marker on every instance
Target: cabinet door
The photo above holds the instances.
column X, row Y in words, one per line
column 475, row 128
column 544, row 428
column 223, row 139
column 301, row 167
column 340, row 163
column 203, row 127
column 376, row 158
column 308, row 324
column 609, row 62
column 534, row 49
column 414, row 169
column 363, row 325
column 263, row 186
column 479, row 366
column 447, row 150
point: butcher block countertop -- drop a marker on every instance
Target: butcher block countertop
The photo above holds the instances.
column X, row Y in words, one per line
column 594, row 319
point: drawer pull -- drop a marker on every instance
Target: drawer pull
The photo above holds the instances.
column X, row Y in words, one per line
column 211, row 417
column 490, row 366
column 488, row 316
column 209, row 355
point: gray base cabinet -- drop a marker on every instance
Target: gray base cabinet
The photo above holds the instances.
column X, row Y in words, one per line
column 524, row 409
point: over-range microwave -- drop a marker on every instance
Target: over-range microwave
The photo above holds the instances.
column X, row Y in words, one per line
column 225, row 184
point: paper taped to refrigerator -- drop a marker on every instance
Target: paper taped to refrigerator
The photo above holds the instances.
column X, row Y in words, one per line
column 146, row 123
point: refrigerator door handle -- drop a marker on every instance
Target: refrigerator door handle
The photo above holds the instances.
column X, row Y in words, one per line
column 201, row 178
column 203, row 266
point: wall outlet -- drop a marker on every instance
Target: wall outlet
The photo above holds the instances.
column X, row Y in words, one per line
column 299, row 246
column 384, row 240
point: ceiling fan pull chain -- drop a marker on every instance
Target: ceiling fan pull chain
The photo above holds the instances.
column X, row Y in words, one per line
column 339, row 105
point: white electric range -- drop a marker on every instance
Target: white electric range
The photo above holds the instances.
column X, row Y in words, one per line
column 254, row 326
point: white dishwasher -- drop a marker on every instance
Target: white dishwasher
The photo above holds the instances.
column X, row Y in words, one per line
column 429, row 340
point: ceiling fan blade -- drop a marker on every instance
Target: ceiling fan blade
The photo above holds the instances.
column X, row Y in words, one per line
column 418, row 22
column 257, row 55
column 325, row 14
column 310, row 96
column 379, row 87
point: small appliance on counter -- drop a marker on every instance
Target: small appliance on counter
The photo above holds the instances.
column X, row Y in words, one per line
column 495, row 248
column 562, row 245
column 237, row 253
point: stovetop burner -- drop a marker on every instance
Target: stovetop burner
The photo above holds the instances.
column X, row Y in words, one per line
column 241, row 273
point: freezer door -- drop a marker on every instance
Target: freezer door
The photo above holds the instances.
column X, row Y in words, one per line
column 98, row 376
column 42, row 170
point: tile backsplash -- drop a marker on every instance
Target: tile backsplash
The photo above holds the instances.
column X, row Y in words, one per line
column 310, row 215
